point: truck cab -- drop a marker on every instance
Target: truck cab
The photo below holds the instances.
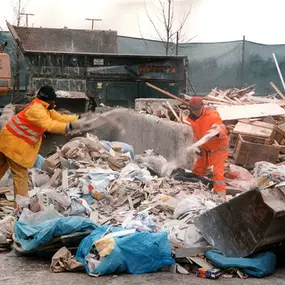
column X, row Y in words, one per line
column 5, row 71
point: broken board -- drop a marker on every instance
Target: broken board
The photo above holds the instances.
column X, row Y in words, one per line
column 249, row 111
column 252, row 130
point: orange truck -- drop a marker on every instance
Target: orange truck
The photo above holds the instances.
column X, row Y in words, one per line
column 5, row 71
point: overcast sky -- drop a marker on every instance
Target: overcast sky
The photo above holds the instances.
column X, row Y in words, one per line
column 210, row 20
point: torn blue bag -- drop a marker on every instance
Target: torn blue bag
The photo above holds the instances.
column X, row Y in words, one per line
column 257, row 265
column 138, row 253
column 32, row 236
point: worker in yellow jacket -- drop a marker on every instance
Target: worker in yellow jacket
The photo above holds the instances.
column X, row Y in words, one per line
column 21, row 138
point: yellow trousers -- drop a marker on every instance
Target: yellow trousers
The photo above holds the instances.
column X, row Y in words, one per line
column 20, row 175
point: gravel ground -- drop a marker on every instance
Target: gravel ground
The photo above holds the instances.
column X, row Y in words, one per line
column 30, row 270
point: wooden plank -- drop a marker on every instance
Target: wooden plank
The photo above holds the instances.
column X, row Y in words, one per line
column 173, row 112
column 53, row 179
column 201, row 262
column 65, row 178
column 261, row 124
column 277, row 90
column 237, row 112
column 218, row 99
column 4, row 190
column 166, row 93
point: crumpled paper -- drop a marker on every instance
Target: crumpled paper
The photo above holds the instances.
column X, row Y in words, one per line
column 64, row 261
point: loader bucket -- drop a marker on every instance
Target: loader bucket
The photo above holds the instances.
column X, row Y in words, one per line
column 246, row 224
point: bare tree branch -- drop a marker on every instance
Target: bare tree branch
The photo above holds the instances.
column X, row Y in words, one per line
column 153, row 24
column 165, row 14
column 145, row 43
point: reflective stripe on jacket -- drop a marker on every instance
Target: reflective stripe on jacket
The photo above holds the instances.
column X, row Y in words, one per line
column 21, row 138
column 21, row 127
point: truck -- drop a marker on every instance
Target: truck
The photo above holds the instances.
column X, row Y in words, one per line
column 88, row 62
column 5, row 71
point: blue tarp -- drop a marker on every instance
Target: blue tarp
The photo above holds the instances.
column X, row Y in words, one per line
column 137, row 253
column 257, row 265
column 32, row 236
column 39, row 163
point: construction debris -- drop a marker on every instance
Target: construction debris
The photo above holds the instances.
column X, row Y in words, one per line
column 104, row 184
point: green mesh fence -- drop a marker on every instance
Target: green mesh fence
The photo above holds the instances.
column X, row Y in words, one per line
column 223, row 65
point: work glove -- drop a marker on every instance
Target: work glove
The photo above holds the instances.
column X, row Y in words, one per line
column 76, row 125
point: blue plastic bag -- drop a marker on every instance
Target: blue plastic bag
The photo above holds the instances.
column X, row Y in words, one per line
column 137, row 253
column 39, row 163
column 126, row 147
column 257, row 265
column 32, row 236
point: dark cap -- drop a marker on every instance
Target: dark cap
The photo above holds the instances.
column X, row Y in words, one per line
column 46, row 93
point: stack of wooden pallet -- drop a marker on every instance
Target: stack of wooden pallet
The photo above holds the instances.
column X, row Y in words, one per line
column 232, row 96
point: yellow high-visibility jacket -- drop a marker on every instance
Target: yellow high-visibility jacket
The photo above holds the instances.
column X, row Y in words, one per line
column 22, row 152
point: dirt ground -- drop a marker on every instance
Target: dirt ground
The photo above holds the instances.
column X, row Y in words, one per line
column 31, row 270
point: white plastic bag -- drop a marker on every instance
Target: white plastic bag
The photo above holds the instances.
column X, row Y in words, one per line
column 140, row 221
column 31, row 218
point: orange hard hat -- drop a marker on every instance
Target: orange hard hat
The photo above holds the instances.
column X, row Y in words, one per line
column 196, row 103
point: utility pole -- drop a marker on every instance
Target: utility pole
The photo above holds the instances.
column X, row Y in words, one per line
column 27, row 17
column 177, row 41
column 19, row 13
column 242, row 62
column 93, row 20
column 16, row 84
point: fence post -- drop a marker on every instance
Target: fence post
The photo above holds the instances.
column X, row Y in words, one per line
column 242, row 63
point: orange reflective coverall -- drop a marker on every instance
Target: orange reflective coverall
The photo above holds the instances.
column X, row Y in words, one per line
column 214, row 152
column 21, row 138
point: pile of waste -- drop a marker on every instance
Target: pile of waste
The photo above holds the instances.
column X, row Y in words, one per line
column 90, row 185
column 92, row 202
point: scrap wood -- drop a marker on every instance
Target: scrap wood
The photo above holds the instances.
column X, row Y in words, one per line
column 54, row 179
column 237, row 112
column 201, row 262
column 277, row 90
column 4, row 190
column 173, row 112
column 203, row 140
column 263, row 124
column 252, row 130
column 167, row 93
column 64, row 174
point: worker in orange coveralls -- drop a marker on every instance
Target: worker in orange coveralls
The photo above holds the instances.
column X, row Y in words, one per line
column 215, row 151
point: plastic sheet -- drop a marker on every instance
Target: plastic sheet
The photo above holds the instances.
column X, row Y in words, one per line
column 98, row 182
column 258, row 265
column 239, row 177
column 125, row 147
column 133, row 172
column 30, row 218
column 140, row 221
column 39, row 163
column 268, row 170
column 136, row 253
column 192, row 207
column 32, row 236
